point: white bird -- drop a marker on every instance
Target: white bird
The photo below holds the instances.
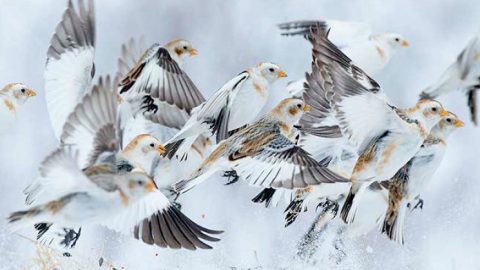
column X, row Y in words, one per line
column 12, row 97
column 265, row 154
column 371, row 52
column 234, row 105
column 162, row 118
column 385, row 137
column 463, row 74
column 410, row 181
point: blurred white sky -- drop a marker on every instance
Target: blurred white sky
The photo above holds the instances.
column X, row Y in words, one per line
column 230, row 36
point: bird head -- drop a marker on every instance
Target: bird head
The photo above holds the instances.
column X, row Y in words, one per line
column 179, row 49
column 431, row 112
column 269, row 71
column 18, row 92
column 143, row 150
column 135, row 185
column 394, row 41
column 290, row 110
column 448, row 124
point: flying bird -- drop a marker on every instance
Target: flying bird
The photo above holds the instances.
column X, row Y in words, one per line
column 91, row 130
column 410, row 181
column 371, row 52
column 463, row 74
column 265, row 154
column 234, row 105
column 12, row 97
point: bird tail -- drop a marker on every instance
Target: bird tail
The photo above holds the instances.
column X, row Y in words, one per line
column 265, row 196
column 394, row 221
column 293, row 210
column 352, row 201
column 21, row 219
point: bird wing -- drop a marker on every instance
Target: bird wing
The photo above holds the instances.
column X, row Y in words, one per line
column 132, row 52
column 362, row 115
column 70, row 62
column 157, row 79
column 154, row 220
column 91, row 127
column 464, row 73
column 342, row 33
column 282, row 164
column 59, row 175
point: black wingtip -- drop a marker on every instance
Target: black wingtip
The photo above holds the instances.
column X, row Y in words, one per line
column 265, row 196
column 172, row 148
column 347, row 205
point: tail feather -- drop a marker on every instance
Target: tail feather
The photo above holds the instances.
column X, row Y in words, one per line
column 393, row 224
column 265, row 196
column 293, row 210
column 347, row 206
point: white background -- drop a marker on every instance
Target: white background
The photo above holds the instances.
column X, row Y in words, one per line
column 230, row 36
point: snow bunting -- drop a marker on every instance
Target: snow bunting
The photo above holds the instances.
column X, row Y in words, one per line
column 158, row 87
column 410, row 181
column 12, row 96
column 90, row 196
column 163, row 123
column 463, row 74
column 70, row 62
column 91, row 130
column 234, row 105
column 369, row 52
column 265, row 155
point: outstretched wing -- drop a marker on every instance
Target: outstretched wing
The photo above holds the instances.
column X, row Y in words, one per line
column 282, row 164
column 154, row 220
column 159, row 88
column 70, row 62
column 91, row 127
column 342, row 33
column 59, row 175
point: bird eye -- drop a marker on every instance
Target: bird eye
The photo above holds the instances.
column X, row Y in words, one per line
column 397, row 39
column 185, row 47
column 434, row 109
column 299, row 105
column 152, row 145
column 271, row 69
column 449, row 120
column 23, row 90
column 140, row 182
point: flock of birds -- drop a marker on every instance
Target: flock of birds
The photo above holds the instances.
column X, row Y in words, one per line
column 337, row 143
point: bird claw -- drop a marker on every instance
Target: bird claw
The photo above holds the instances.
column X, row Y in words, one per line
column 148, row 105
column 177, row 205
column 70, row 237
column 419, row 205
column 328, row 205
column 232, row 177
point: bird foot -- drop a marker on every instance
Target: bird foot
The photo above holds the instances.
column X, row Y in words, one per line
column 232, row 177
column 148, row 105
column 418, row 205
column 70, row 237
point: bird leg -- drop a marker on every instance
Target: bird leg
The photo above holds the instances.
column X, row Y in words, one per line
column 232, row 177
column 419, row 205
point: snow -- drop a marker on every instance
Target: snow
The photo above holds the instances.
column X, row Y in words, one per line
column 231, row 36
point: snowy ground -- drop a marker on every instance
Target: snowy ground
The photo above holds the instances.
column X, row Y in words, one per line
column 231, row 36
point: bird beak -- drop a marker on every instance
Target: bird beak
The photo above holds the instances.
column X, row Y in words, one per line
column 459, row 123
column 161, row 149
column 444, row 113
column 150, row 186
column 405, row 43
column 282, row 74
column 193, row 52
column 31, row 93
column 307, row 108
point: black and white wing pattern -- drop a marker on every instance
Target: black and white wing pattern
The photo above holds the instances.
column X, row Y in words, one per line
column 159, row 88
column 283, row 164
column 91, row 128
column 70, row 62
column 155, row 221
column 131, row 52
column 342, row 33
column 463, row 74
